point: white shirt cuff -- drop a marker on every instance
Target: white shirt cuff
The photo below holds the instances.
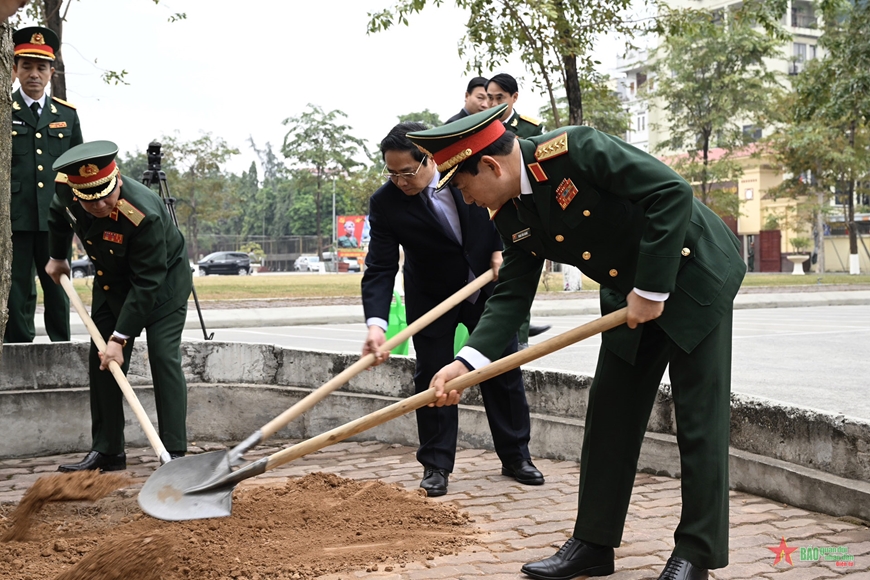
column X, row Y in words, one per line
column 656, row 296
column 473, row 357
column 119, row 335
column 374, row 321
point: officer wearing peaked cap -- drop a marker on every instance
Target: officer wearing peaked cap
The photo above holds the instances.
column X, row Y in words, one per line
column 628, row 221
column 142, row 282
column 42, row 129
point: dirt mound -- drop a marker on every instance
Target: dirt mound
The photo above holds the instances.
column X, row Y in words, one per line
column 79, row 486
column 315, row 525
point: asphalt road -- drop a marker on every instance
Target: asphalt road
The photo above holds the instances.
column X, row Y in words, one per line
column 815, row 357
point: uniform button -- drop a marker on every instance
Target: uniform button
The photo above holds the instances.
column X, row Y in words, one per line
column 112, row 252
column 99, row 272
column 586, row 255
column 90, row 243
column 613, row 273
column 60, row 135
column 534, row 254
column 560, row 238
column 39, row 151
column 40, row 184
column 93, row 258
column 39, row 135
column 686, row 251
column 106, row 287
column 14, row 133
column 39, row 167
column 587, row 213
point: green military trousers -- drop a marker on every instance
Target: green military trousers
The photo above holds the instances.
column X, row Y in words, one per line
column 170, row 388
column 29, row 252
column 620, row 401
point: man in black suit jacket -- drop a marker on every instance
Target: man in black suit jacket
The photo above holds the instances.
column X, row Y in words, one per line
column 476, row 99
column 447, row 244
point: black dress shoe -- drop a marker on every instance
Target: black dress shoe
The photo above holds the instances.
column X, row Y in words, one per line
column 680, row 569
column 96, row 460
column 575, row 558
column 434, row 481
column 536, row 330
column 524, row 472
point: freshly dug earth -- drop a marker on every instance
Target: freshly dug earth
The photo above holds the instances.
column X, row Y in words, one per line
column 314, row 525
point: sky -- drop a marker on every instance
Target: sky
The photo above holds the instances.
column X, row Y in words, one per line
column 238, row 69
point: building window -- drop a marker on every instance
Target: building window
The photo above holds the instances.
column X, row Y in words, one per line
column 751, row 133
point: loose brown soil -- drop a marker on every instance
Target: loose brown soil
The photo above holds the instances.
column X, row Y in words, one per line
column 314, row 525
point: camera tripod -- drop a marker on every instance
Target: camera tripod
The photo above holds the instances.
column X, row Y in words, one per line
column 154, row 175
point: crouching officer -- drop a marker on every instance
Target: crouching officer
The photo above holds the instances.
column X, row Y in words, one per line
column 142, row 281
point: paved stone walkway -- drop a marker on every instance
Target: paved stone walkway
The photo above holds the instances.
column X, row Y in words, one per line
column 525, row 523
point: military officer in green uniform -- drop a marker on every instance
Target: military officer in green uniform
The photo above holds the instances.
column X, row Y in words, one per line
column 142, row 282
column 42, row 129
column 502, row 89
column 581, row 197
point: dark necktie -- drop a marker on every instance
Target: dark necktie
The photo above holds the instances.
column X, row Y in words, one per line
column 34, row 106
column 436, row 209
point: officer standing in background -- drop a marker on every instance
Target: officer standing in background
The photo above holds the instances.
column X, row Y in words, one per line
column 502, row 89
column 634, row 225
column 475, row 99
column 142, row 282
column 43, row 128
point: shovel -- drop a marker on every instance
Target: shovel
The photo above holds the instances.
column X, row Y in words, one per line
column 176, row 494
column 115, row 368
column 215, row 465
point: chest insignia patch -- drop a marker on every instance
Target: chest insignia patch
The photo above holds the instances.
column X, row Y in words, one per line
column 565, row 193
column 14, row 122
column 58, row 125
column 71, row 216
column 113, row 237
column 521, row 235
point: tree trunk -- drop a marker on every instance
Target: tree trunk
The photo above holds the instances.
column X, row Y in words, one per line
column 573, row 90
column 317, row 225
column 850, row 211
column 556, row 117
column 820, row 228
column 5, row 171
column 54, row 21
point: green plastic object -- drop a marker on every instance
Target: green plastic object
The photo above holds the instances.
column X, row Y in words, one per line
column 460, row 338
column 397, row 323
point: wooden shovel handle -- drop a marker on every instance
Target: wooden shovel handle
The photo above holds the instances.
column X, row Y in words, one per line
column 458, row 384
column 129, row 394
column 368, row 360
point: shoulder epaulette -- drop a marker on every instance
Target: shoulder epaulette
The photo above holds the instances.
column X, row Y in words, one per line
column 62, row 102
column 60, row 178
column 130, row 211
column 552, row 148
column 531, row 120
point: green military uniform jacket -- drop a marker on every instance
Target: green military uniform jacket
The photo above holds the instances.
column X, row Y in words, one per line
column 143, row 272
column 627, row 221
column 524, row 127
column 36, row 144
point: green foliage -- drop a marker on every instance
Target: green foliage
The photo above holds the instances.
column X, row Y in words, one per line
column 800, row 243
column 602, row 109
column 554, row 38
column 711, row 75
column 425, row 116
column 254, row 249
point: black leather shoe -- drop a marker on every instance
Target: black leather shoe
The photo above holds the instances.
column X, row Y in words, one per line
column 524, row 472
column 536, row 330
column 679, row 569
column 573, row 559
column 96, row 460
column 434, row 481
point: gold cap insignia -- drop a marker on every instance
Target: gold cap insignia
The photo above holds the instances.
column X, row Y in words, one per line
column 37, row 38
column 424, row 151
column 88, row 170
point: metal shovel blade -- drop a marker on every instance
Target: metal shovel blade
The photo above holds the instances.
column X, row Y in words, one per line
column 165, row 494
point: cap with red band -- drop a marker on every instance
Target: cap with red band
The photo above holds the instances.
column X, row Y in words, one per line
column 90, row 169
column 450, row 145
column 36, row 42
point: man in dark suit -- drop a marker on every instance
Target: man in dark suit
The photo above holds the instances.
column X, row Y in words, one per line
column 475, row 99
column 446, row 244
column 631, row 223
column 142, row 282
column 43, row 128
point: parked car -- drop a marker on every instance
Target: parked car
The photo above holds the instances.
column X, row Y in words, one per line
column 225, row 263
column 81, row 268
column 307, row 263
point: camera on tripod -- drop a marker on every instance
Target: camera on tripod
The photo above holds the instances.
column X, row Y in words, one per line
column 154, row 156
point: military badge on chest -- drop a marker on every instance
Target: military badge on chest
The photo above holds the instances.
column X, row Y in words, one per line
column 565, row 193
column 113, row 237
column 521, row 235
